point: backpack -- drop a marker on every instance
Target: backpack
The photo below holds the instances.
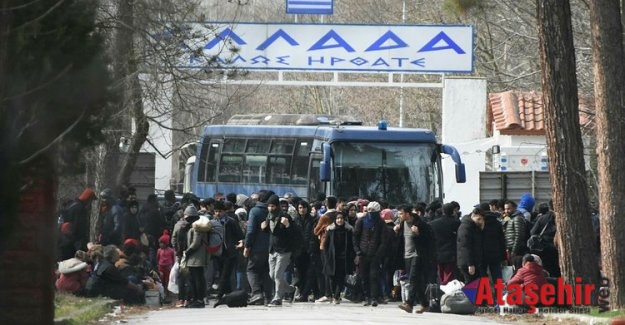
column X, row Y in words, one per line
column 434, row 294
column 63, row 214
column 215, row 243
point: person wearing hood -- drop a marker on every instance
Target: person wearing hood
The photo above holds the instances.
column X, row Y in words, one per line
column 197, row 257
column 526, row 206
column 530, row 273
column 73, row 275
column 469, row 245
column 370, row 246
column 256, row 250
column 339, row 252
column 179, row 244
column 77, row 216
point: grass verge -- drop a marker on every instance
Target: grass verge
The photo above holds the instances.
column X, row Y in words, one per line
column 73, row 310
column 594, row 311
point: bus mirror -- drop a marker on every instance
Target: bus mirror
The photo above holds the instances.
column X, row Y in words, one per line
column 324, row 166
column 461, row 175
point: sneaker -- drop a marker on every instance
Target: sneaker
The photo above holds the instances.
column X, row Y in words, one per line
column 366, row 302
column 301, row 299
column 374, row 303
column 406, row 307
column 180, row 303
column 419, row 309
column 256, row 300
column 337, row 301
column 275, row 303
column 196, row 304
column 323, row 299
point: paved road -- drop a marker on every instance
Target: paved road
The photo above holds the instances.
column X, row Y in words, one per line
column 301, row 314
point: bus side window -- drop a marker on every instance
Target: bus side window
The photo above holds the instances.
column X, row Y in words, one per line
column 201, row 174
column 278, row 170
column 211, row 162
column 299, row 173
column 230, row 168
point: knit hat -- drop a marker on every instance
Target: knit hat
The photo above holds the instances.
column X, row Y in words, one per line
column 241, row 198
column 374, row 206
column 66, row 228
column 87, row 194
column 71, row 265
column 242, row 213
column 274, row 199
column 165, row 239
column 387, row 215
column 190, row 211
column 132, row 241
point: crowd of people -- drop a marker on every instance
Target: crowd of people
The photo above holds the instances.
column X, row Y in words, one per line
column 286, row 249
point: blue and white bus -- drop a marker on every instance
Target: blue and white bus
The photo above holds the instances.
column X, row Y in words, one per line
column 307, row 155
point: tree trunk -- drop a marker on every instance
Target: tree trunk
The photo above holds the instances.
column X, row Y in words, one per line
column 130, row 91
column 609, row 77
column 564, row 143
column 29, row 252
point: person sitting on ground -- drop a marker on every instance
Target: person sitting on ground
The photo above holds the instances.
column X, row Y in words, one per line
column 107, row 281
column 73, row 275
column 530, row 273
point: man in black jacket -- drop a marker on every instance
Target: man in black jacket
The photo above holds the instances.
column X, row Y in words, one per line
column 308, row 263
column 418, row 244
column 446, row 233
column 281, row 237
column 494, row 244
column 228, row 259
column 470, row 245
column 370, row 246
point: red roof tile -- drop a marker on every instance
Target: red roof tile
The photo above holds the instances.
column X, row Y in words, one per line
column 514, row 112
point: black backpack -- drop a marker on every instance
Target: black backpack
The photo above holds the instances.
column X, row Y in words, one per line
column 433, row 294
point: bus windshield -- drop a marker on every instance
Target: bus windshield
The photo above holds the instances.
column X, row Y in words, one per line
column 395, row 172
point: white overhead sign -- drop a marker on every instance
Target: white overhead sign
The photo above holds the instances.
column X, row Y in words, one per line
column 310, row 7
column 382, row 48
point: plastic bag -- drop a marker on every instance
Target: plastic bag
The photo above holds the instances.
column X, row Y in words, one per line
column 506, row 273
column 173, row 279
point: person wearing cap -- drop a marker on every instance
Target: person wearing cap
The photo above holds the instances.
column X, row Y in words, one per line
column 370, row 245
column 78, row 216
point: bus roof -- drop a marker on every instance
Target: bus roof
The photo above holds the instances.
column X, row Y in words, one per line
column 323, row 132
